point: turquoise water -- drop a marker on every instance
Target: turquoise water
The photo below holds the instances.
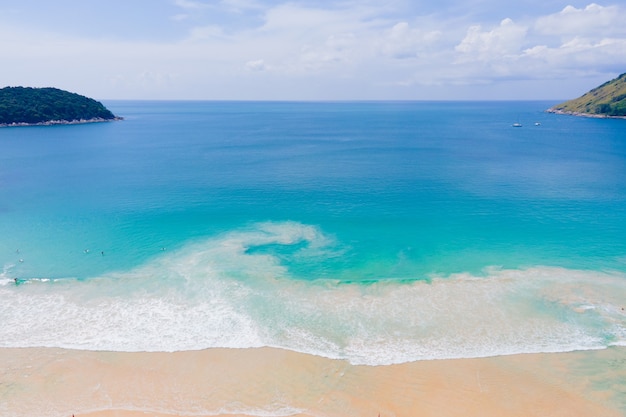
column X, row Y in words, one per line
column 379, row 232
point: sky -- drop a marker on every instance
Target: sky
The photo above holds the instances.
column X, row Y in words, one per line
column 313, row 50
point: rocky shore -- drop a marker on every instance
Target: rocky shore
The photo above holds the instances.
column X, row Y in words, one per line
column 62, row 122
column 581, row 114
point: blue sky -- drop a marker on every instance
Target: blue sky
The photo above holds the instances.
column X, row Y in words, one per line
column 313, row 50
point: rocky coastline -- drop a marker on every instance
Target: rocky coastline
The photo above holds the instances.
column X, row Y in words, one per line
column 581, row 114
column 62, row 122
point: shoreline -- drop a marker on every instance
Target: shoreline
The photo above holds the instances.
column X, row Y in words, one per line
column 52, row 382
column 62, row 122
column 581, row 114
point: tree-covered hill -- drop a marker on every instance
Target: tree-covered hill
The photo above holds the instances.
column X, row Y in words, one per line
column 26, row 105
column 608, row 100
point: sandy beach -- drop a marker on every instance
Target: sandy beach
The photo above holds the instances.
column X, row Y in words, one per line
column 46, row 382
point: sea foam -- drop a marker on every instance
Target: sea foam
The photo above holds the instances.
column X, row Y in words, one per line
column 227, row 292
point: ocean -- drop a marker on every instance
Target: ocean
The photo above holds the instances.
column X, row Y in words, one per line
column 376, row 232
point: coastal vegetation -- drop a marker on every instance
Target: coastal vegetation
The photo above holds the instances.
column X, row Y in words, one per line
column 607, row 100
column 28, row 106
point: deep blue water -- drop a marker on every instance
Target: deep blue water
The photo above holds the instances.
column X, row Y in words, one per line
column 341, row 201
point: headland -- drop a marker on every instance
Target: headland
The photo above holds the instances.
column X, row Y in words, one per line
column 606, row 101
column 26, row 106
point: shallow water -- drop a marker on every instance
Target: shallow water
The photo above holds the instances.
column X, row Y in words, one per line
column 378, row 232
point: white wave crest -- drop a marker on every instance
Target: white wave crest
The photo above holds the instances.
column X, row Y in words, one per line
column 222, row 293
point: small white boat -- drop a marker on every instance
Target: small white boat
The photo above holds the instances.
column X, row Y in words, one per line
column 517, row 125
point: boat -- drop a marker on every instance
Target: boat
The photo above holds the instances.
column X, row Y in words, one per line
column 517, row 125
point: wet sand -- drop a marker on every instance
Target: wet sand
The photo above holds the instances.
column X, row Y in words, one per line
column 46, row 382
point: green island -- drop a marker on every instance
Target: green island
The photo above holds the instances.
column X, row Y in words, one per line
column 26, row 106
column 607, row 100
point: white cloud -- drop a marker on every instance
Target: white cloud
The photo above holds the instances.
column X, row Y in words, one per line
column 580, row 41
column 202, row 33
column 504, row 41
column 191, row 4
column 303, row 22
column 342, row 50
column 150, row 79
column 582, row 55
column 240, row 6
column 341, row 41
column 335, row 50
column 593, row 21
column 299, row 40
column 403, row 41
column 256, row 65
